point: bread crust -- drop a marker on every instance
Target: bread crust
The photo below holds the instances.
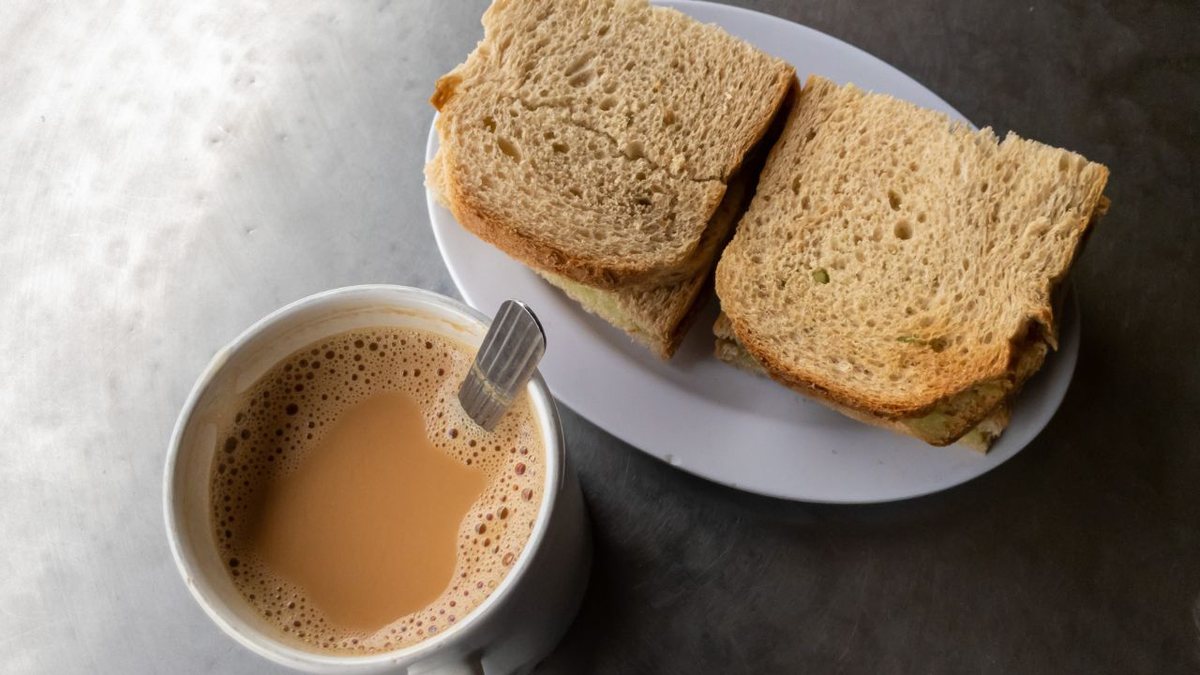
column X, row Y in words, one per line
column 996, row 418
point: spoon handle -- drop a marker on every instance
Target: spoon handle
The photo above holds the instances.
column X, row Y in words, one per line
column 508, row 357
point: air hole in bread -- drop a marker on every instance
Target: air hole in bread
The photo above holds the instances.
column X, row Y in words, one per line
column 903, row 230
column 575, row 192
column 641, row 175
column 876, row 234
column 643, row 200
column 921, row 217
column 983, row 186
column 909, row 311
column 630, row 64
column 1064, row 163
column 668, row 117
column 560, row 148
column 608, row 102
column 603, row 30
column 938, row 344
column 966, row 264
column 634, row 150
column 812, row 133
column 610, row 86
column 489, row 123
column 508, row 148
column 913, row 166
column 796, row 187
column 581, row 79
column 894, row 200
column 578, row 64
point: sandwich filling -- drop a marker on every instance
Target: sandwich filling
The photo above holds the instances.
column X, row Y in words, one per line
column 950, row 421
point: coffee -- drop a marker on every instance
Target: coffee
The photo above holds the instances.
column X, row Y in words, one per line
column 355, row 505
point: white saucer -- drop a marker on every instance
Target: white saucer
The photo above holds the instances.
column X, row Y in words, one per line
column 709, row 418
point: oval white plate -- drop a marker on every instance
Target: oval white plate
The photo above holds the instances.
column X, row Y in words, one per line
column 718, row 422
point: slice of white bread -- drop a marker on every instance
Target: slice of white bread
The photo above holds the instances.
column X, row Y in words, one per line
column 899, row 265
column 593, row 139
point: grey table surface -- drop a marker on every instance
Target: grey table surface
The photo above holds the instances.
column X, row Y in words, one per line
column 171, row 171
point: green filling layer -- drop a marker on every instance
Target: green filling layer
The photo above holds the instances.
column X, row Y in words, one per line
column 943, row 421
column 599, row 302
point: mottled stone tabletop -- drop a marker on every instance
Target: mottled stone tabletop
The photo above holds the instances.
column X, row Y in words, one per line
column 172, row 171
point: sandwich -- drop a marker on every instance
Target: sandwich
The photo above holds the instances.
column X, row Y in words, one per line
column 901, row 268
column 604, row 145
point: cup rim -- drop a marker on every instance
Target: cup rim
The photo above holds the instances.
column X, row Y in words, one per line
column 278, row 651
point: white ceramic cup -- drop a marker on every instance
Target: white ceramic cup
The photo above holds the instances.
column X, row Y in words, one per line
column 514, row 628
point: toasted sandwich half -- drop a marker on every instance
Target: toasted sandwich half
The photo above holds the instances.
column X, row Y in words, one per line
column 596, row 142
column 903, row 268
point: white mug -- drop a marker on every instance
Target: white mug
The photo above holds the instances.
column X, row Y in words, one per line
column 510, row 631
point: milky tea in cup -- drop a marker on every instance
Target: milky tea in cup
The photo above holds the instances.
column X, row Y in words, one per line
column 356, row 507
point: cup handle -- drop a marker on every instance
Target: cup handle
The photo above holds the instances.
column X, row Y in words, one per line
column 460, row 665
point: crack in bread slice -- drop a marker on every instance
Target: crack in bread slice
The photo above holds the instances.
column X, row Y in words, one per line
column 593, row 140
column 897, row 264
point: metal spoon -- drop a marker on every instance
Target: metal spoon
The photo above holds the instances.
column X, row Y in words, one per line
column 506, row 360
